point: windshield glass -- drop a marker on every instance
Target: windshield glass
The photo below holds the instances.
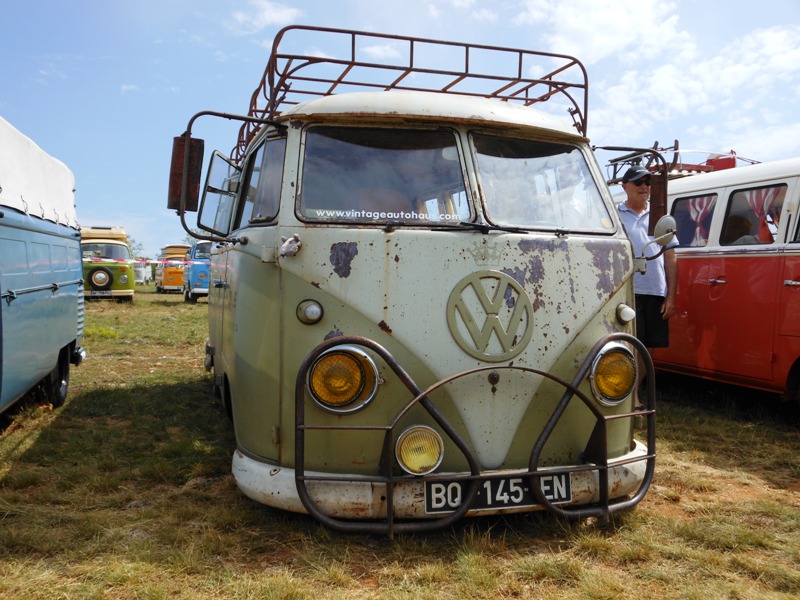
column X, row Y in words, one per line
column 535, row 184
column 112, row 251
column 373, row 175
column 203, row 250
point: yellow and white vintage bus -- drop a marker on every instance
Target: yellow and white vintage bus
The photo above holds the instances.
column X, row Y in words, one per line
column 421, row 295
column 169, row 268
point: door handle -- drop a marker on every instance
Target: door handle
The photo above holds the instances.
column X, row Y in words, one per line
column 715, row 281
column 791, row 282
column 220, row 283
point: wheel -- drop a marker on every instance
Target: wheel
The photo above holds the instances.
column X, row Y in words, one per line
column 185, row 295
column 191, row 298
column 100, row 278
column 56, row 384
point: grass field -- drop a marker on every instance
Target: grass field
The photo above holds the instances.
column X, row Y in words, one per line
column 126, row 492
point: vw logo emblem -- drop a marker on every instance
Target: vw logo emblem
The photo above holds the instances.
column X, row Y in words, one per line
column 490, row 316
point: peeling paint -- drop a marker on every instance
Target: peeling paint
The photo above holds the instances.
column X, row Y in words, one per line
column 333, row 334
column 611, row 262
column 385, row 327
column 342, row 255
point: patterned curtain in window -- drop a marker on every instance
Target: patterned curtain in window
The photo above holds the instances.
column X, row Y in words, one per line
column 761, row 201
column 699, row 208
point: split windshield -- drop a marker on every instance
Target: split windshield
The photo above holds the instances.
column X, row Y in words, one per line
column 112, row 251
column 417, row 177
column 534, row 184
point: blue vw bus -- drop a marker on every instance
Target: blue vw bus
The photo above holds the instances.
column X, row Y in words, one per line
column 41, row 280
column 195, row 272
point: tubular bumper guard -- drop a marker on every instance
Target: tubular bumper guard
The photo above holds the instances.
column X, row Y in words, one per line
column 598, row 470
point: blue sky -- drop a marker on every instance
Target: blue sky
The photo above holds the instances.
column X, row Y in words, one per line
column 104, row 85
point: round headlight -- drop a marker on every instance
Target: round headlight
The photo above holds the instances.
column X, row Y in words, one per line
column 202, row 275
column 419, row 450
column 123, row 279
column 343, row 379
column 613, row 374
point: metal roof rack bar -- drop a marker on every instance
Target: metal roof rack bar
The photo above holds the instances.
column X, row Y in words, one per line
column 292, row 77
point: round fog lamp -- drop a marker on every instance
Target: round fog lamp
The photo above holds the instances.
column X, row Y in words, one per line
column 419, row 450
column 613, row 374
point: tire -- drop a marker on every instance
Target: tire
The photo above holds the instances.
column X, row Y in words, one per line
column 56, row 384
column 185, row 295
column 191, row 298
column 100, row 279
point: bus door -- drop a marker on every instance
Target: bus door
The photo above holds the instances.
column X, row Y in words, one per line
column 215, row 215
column 789, row 281
column 252, row 355
column 743, row 284
column 789, row 308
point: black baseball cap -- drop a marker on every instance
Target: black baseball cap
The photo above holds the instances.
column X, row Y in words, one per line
column 634, row 173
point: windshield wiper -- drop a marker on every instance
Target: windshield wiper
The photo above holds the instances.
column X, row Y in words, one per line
column 482, row 227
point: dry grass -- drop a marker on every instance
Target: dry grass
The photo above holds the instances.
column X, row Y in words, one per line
column 126, row 492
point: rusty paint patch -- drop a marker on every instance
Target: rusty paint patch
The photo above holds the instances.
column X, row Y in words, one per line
column 334, row 333
column 315, row 284
column 612, row 262
column 385, row 327
column 342, row 255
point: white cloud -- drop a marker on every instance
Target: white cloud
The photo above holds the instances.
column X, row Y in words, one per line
column 128, row 87
column 485, row 15
column 381, row 51
column 593, row 30
column 262, row 14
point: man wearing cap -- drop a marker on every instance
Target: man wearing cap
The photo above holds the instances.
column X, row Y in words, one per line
column 655, row 289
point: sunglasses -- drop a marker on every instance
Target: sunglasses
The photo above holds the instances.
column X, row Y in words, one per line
column 643, row 180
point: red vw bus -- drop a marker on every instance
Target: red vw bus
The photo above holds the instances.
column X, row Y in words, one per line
column 738, row 307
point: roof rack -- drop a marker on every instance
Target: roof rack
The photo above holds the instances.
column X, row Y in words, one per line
column 677, row 166
column 375, row 61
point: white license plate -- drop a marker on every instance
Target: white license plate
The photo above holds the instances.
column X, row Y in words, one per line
column 97, row 293
column 496, row 494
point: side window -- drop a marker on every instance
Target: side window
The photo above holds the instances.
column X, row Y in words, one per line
column 796, row 237
column 219, row 193
column 752, row 216
column 269, row 197
column 249, row 189
column 693, row 216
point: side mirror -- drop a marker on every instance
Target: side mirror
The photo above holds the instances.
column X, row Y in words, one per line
column 178, row 171
column 664, row 231
column 663, row 234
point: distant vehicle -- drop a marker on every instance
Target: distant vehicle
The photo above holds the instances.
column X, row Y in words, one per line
column 420, row 301
column 143, row 274
column 108, row 267
column 169, row 268
column 41, row 302
column 195, row 272
column 737, row 318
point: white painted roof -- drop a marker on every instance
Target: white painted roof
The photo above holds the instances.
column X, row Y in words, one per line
column 736, row 176
column 34, row 182
column 427, row 106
